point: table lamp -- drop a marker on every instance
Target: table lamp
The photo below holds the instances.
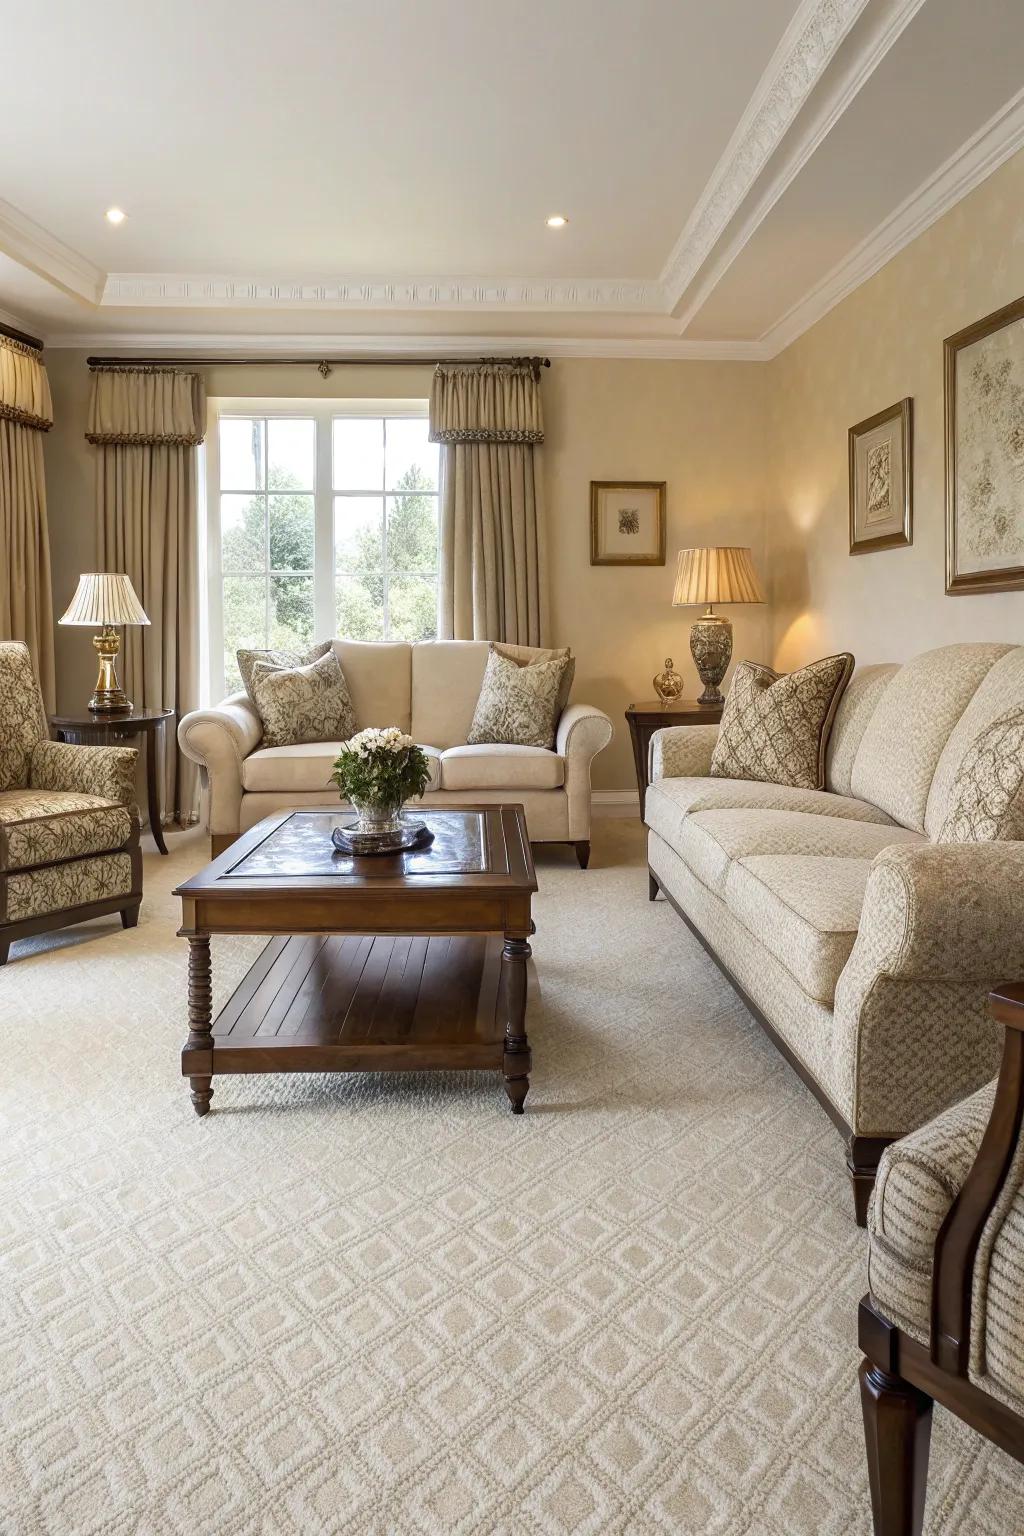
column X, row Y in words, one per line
column 106, row 598
column 713, row 575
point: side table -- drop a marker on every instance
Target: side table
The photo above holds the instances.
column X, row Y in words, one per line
column 89, row 730
column 645, row 719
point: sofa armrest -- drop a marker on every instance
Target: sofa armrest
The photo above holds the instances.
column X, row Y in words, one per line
column 682, row 752
column 219, row 740
column 105, row 771
column 583, row 732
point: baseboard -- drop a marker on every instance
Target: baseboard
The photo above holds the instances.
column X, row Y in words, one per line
column 615, row 802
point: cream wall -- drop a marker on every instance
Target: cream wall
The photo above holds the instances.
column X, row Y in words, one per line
column 697, row 425
column 881, row 343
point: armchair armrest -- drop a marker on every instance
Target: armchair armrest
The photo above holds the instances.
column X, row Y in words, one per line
column 682, row 752
column 219, row 740
column 583, row 732
column 105, row 771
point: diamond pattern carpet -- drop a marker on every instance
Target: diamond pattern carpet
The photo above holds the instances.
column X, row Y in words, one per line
column 382, row 1305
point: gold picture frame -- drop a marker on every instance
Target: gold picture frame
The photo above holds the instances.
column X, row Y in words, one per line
column 881, row 467
column 624, row 510
column 984, row 515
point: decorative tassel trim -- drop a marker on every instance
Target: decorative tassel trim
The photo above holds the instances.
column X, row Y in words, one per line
column 24, row 418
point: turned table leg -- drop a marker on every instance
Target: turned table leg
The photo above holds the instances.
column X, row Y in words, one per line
column 200, row 1016
column 516, row 1061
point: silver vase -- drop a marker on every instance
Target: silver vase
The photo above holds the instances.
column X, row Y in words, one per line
column 377, row 819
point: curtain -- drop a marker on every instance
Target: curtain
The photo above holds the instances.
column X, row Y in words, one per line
column 26, row 604
column 147, row 424
column 487, row 417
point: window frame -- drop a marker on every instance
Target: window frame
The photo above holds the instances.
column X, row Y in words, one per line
column 323, row 413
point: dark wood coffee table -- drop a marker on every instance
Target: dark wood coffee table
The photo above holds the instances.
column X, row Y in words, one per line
column 410, row 962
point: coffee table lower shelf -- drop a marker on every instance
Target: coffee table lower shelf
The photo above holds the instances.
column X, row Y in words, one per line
column 327, row 1003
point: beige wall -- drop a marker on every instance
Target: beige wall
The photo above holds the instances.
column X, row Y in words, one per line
column 881, row 343
column 696, row 425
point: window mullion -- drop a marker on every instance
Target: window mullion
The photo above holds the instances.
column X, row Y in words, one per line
column 324, row 617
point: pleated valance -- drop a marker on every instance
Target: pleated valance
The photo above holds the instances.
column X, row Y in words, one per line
column 147, row 405
column 24, row 387
column 485, row 403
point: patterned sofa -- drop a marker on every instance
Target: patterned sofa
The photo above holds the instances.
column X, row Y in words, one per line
column 863, row 945
column 429, row 689
column 69, row 827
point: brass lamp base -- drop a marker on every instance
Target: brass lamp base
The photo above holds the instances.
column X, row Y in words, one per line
column 711, row 649
column 108, row 697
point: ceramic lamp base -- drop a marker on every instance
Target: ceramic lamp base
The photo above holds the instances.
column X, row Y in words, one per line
column 711, row 649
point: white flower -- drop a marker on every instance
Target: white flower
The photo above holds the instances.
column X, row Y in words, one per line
column 374, row 739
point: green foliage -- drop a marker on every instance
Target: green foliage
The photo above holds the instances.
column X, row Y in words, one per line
column 378, row 775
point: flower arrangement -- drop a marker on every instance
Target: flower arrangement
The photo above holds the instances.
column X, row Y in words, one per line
column 378, row 770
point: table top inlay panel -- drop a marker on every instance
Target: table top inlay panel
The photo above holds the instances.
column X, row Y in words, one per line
column 301, row 846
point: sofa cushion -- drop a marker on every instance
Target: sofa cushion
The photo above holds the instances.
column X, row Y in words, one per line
column 708, row 841
column 299, row 704
column 446, row 678
column 307, row 767
column 518, row 705
column 502, row 765
column 775, row 726
column 45, row 826
column 918, row 1179
column 669, row 800
column 905, row 737
column 379, row 678
column 804, row 909
column 277, row 660
column 1000, row 691
column 859, row 701
column 986, row 801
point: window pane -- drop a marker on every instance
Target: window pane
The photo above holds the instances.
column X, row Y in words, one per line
column 242, row 533
column 410, row 460
column 358, row 453
column 244, row 620
column 412, row 534
column 360, row 609
column 291, row 533
column 291, row 455
column 291, row 612
column 358, row 527
column 241, row 454
column 412, row 603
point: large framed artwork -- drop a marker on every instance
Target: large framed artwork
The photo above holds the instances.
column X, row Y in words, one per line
column 627, row 522
column 985, row 454
column 881, row 480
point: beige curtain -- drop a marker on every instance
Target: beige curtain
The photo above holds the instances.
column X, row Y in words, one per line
column 147, row 425
column 26, row 604
column 492, row 547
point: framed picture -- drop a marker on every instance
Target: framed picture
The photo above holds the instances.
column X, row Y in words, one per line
column 985, row 454
column 627, row 522
column 881, row 480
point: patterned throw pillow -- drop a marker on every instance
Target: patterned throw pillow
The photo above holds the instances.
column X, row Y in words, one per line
column 518, row 705
column 986, row 801
column 299, row 704
column 775, row 726
column 281, row 660
column 530, row 655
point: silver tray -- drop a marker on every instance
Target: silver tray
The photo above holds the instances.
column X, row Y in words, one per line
column 411, row 834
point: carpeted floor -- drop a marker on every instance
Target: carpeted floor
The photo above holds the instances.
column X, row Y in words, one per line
column 383, row 1305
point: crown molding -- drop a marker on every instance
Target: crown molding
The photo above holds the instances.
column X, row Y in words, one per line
column 982, row 154
column 808, row 46
column 884, row 28
column 34, row 247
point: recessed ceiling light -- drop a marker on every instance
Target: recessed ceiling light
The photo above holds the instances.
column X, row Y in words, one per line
column 557, row 221
column 116, row 216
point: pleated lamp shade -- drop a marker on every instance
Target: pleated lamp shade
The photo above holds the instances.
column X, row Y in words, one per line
column 720, row 575
column 104, row 597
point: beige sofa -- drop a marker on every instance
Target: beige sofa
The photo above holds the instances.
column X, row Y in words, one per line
column 864, row 946
column 430, row 690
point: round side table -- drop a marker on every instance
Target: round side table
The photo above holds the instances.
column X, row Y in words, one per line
column 89, row 730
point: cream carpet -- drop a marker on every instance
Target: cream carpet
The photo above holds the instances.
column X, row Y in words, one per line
column 384, row 1306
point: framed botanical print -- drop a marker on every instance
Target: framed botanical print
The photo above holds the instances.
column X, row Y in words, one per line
column 627, row 522
column 985, row 454
column 881, row 480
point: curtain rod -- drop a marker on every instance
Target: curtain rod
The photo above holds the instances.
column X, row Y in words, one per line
column 22, row 336
column 324, row 366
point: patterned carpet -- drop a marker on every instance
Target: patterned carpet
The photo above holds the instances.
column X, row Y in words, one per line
column 384, row 1306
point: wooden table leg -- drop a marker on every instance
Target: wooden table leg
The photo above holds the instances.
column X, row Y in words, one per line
column 153, row 739
column 200, row 1016
column 517, row 1061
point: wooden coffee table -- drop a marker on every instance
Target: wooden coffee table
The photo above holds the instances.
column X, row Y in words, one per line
column 410, row 962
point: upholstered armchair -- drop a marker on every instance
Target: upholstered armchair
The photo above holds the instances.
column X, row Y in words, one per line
column 69, row 828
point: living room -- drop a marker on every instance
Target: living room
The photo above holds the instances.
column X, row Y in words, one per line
column 512, row 768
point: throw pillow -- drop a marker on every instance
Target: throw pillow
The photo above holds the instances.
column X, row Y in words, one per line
column 986, row 800
column 518, row 705
column 299, row 704
column 530, row 655
column 281, row 660
column 775, row 726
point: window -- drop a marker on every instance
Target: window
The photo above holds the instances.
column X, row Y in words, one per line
column 322, row 521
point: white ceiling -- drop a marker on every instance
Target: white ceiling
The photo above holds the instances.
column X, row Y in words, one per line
column 382, row 169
